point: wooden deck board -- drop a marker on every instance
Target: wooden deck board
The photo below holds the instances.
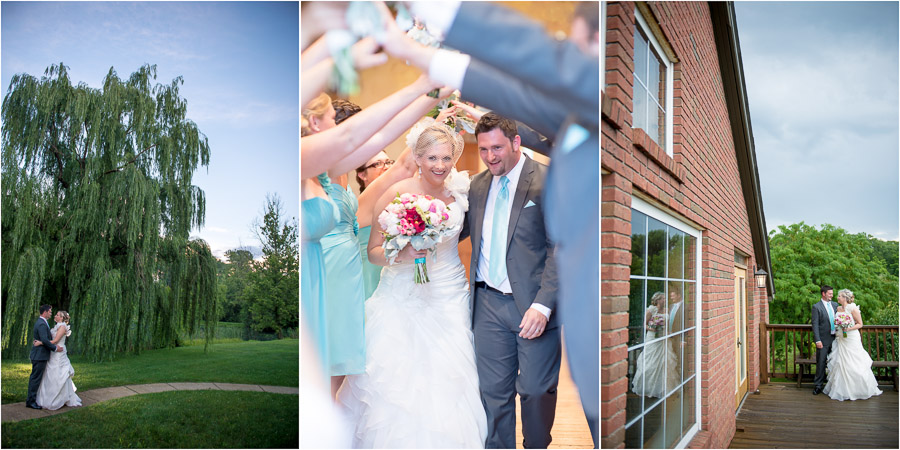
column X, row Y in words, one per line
column 784, row 416
column 570, row 428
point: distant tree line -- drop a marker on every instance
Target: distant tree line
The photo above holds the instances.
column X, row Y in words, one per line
column 263, row 294
column 805, row 257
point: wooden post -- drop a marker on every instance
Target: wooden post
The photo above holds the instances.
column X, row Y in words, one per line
column 763, row 354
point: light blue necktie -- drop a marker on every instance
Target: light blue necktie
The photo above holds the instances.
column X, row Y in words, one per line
column 497, row 269
column 830, row 315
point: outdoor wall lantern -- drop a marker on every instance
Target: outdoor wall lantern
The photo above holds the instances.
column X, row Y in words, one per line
column 760, row 276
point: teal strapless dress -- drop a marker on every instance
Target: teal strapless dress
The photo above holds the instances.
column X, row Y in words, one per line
column 371, row 272
column 319, row 217
column 345, row 304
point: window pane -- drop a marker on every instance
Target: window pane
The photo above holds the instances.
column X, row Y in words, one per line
column 676, row 344
column 640, row 108
column 656, row 248
column 640, row 53
column 690, row 299
column 656, row 298
column 673, row 418
column 676, row 306
column 690, row 256
column 654, row 432
column 659, row 123
column 638, row 243
column 653, row 78
column 676, row 253
column 688, row 353
column 634, row 401
column 636, row 313
column 652, row 128
column 633, row 436
column 688, row 416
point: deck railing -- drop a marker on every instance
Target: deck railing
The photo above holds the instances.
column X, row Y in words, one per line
column 783, row 347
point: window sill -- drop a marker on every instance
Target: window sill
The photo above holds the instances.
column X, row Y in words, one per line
column 644, row 143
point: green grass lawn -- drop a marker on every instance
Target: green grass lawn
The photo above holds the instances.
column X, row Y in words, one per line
column 177, row 419
column 251, row 362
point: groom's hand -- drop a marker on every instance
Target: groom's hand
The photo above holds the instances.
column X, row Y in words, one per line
column 533, row 324
column 818, row 344
column 59, row 348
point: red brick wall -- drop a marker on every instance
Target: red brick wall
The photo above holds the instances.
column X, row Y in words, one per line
column 701, row 183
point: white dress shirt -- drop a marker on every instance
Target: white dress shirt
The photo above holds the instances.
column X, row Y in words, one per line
column 487, row 229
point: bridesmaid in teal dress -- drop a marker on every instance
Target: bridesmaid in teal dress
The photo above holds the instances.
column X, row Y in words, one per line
column 320, row 216
column 345, row 307
column 365, row 175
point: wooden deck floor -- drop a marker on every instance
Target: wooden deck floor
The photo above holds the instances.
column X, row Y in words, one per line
column 570, row 428
column 783, row 416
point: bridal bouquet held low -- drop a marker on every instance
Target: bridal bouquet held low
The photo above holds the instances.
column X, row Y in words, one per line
column 417, row 220
column 843, row 321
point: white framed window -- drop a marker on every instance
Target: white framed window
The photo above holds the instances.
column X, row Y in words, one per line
column 653, row 79
column 663, row 398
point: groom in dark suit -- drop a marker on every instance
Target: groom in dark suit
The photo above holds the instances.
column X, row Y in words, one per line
column 514, row 289
column 40, row 354
column 823, row 333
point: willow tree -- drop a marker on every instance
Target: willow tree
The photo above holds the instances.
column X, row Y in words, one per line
column 97, row 209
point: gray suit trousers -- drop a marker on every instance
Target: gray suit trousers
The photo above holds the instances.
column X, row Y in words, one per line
column 822, row 358
column 508, row 364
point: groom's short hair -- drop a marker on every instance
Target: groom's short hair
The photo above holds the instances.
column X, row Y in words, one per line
column 45, row 308
column 826, row 288
column 492, row 120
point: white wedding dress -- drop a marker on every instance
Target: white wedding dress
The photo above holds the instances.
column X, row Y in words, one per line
column 656, row 365
column 849, row 366
column 57, row 389
column 420, row 388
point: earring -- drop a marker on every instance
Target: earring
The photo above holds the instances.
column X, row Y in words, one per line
column 420, row 171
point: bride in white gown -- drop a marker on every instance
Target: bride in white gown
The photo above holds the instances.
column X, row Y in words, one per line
column 57, row 389
column 420, row 387
column 849, row 366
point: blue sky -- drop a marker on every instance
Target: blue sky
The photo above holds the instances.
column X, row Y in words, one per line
column 822, row 82
column 240, row 66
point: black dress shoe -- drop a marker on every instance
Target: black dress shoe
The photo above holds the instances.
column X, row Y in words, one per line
column 817, row 390
column 33, row 406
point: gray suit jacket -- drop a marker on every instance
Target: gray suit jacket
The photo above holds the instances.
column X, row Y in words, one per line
column 522, row 46
column 530, row 254
column 41, row 333
column 821, row 324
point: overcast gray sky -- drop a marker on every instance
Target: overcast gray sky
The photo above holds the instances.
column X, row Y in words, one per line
column 822, row 82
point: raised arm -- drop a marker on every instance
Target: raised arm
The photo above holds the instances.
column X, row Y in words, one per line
column 317, row 69
column 397, row 125
column 403, row 169
column 322, row 151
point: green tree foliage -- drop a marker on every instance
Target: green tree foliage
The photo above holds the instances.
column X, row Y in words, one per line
column 272, row 291
column 97, row 208
column 804, row 257
column 233, row 282
column 888, row 252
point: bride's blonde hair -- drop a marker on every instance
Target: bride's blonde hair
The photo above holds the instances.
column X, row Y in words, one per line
column 847, row 294
column 65, row 316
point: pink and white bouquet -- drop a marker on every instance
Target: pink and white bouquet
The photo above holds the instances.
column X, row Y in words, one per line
column 417, row 220
column 657, row 322
column 843, row 321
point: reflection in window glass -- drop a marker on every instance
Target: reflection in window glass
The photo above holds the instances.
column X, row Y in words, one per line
column 662, row 329
column 636, row 325
column 656, row 248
